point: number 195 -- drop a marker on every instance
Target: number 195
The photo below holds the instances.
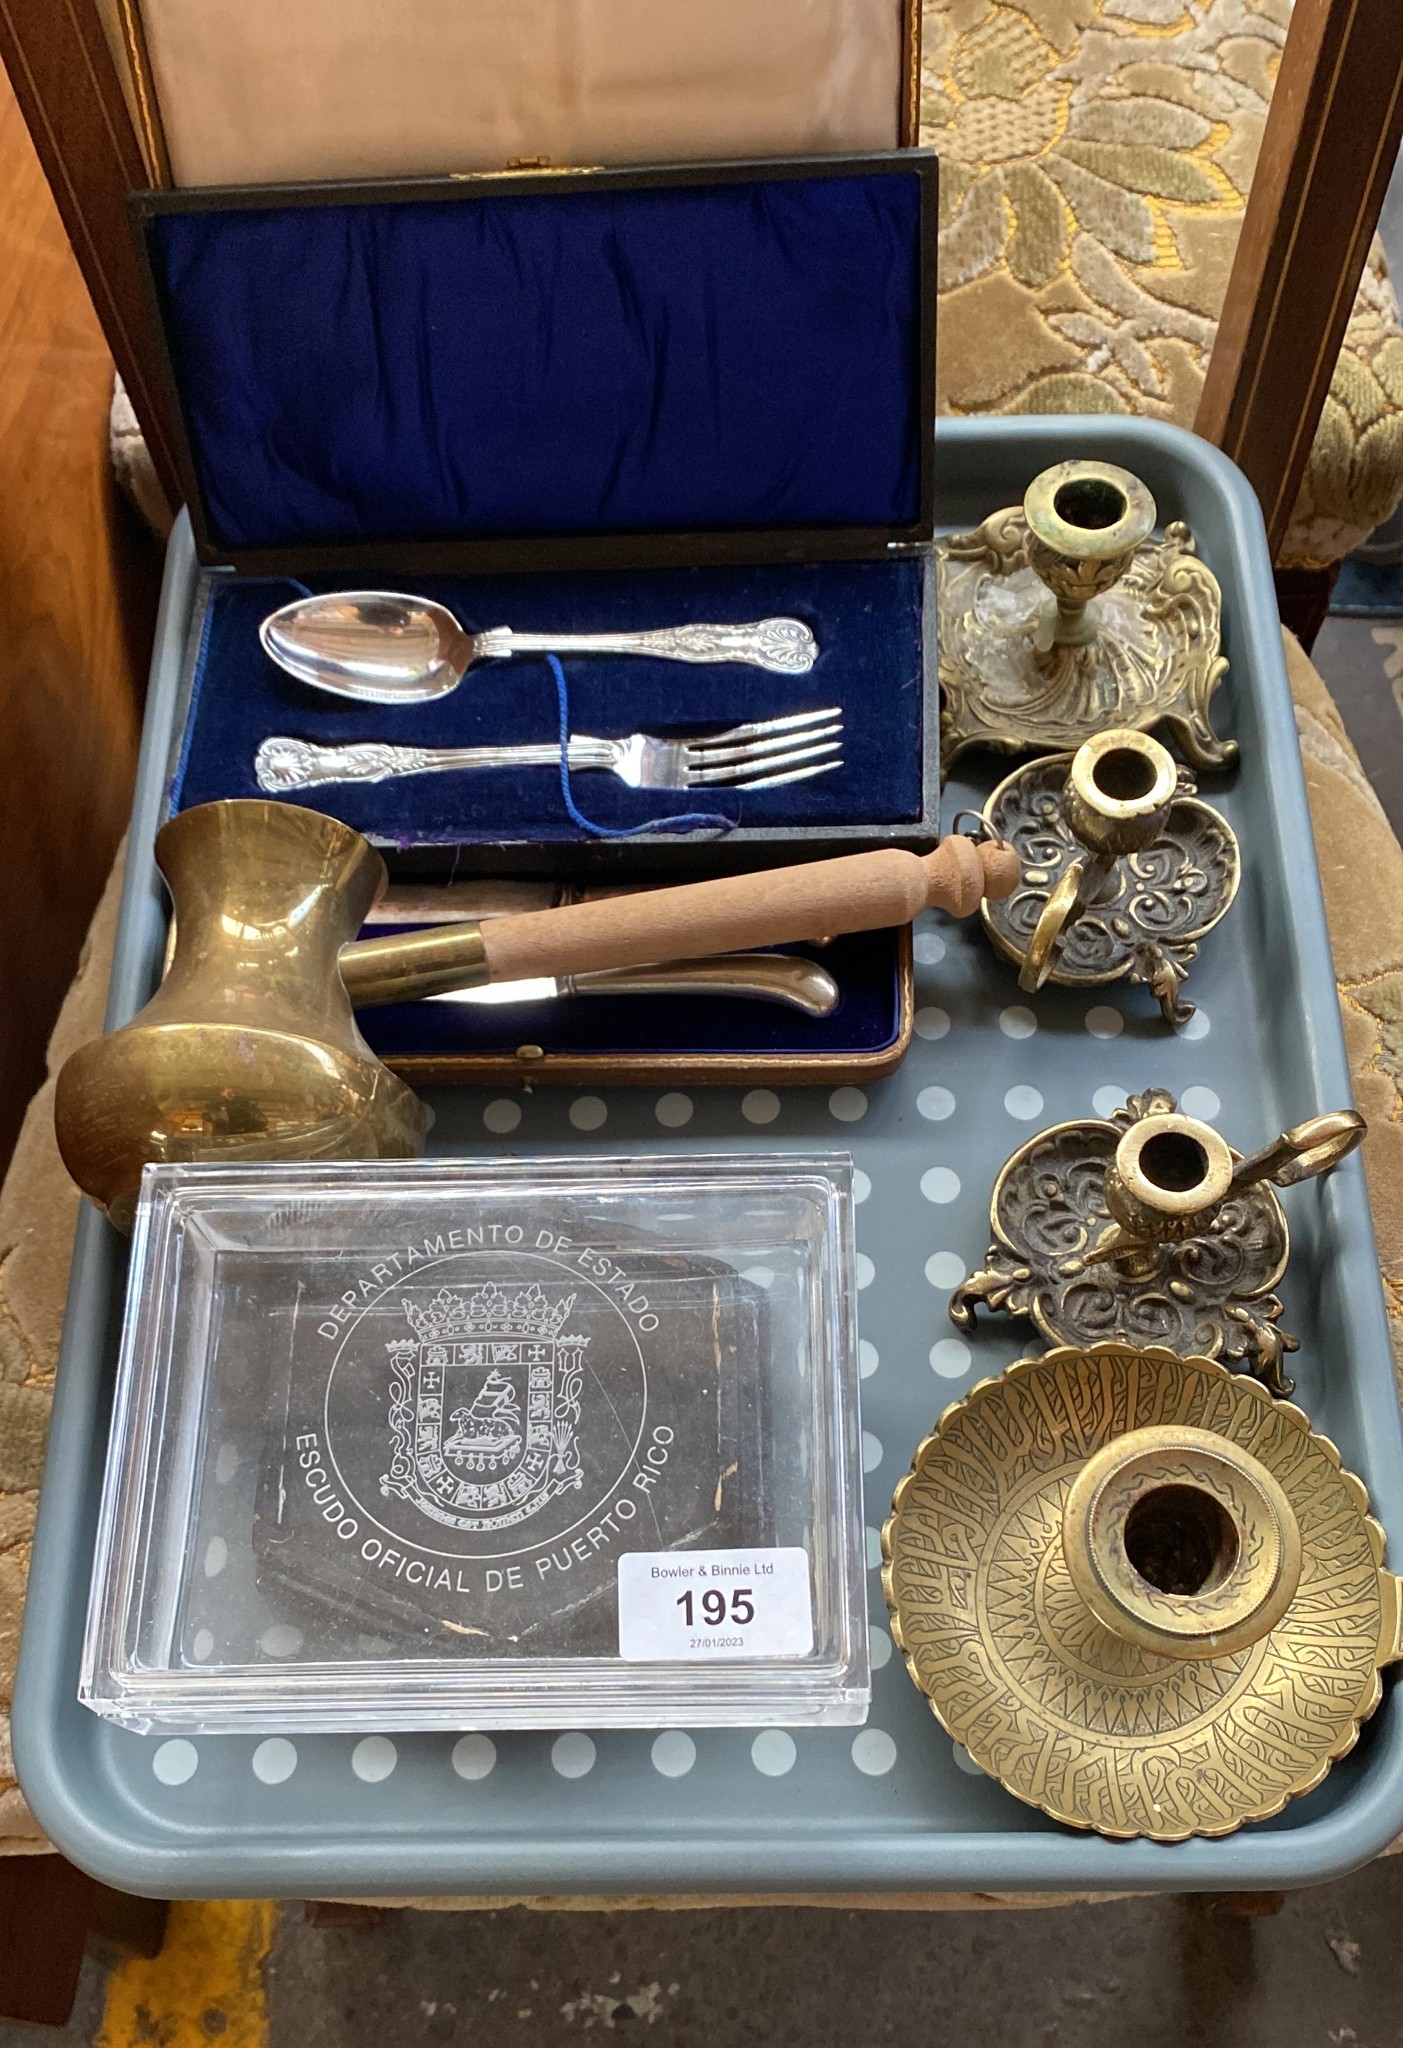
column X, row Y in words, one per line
column 714, row 1608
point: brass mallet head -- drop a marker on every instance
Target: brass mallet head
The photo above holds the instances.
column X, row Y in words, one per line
column 249, row 1048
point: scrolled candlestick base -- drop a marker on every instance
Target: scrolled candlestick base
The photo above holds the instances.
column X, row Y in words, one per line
column 1065, row 615
column 1149, row 1227
column 1124, row 870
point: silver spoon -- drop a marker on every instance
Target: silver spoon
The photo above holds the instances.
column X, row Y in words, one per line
column 385, row 648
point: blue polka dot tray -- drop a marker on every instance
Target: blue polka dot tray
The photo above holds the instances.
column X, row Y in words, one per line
column 889, row 1806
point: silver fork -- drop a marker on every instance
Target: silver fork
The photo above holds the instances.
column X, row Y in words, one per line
column 759, row 755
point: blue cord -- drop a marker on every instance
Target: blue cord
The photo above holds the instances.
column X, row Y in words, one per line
column 292, row 582
column 683, row 821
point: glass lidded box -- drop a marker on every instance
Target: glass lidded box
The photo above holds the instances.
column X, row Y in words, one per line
column 492, row 1444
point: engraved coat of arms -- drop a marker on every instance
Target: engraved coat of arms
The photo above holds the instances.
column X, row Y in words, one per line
column 484, row 1405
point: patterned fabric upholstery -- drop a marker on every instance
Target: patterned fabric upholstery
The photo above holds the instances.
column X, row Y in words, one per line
column 1096, row 156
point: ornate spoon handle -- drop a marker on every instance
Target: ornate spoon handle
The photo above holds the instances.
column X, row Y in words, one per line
column 784, row 645
column 282, row 764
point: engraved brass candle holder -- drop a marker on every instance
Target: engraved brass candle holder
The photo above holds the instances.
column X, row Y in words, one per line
column 1145, row 1597
column 1125, row 869
column 1148, row 1227
column 1065, row 615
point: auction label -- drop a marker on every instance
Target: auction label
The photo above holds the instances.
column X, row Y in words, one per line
column 695, row 1606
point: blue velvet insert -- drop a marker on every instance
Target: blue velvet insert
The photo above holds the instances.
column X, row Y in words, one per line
column 866, row 1020
column 735, row 355
column 866, row 617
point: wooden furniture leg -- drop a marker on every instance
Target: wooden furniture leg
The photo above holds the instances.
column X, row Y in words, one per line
column 120, row 1925
column 1331, row 141
column 344, row 1913
column 1245, row 1905
column 49, row 1911
column 78, row 587
column 69, row 91
column 1303, row 599
column 44, row 1906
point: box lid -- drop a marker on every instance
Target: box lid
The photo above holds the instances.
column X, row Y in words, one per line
column 233, row 92
column 717, row 362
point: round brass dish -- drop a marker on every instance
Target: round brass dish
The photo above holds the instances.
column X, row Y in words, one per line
column 1142, row 1594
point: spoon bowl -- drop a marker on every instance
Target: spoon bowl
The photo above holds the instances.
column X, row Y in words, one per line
column 375, row 645
column 383, row 647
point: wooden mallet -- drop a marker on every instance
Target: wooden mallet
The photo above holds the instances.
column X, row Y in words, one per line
column 249, row 1048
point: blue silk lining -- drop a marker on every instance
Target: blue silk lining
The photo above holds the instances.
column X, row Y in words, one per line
column 866, row 617
column 725, row 356
column 633, row 360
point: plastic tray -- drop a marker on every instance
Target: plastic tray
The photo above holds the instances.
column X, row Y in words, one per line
column 891, row 1808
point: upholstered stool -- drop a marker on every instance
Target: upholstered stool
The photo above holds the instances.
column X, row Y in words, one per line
column 1095, row 161
column 38, row 1204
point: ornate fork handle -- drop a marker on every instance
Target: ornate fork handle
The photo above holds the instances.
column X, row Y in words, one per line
column 783, row 645
column 283, row 764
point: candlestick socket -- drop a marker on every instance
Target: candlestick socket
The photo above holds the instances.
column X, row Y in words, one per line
column 1168, row 1174
column 1119, row 790
column 1085, row 521
column 1181, row 1542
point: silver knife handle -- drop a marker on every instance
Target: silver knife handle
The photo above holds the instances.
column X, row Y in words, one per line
column 785, row 646
column 282, row 764
column 759, row 977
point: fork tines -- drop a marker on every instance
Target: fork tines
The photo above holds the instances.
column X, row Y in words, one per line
column 769, row 751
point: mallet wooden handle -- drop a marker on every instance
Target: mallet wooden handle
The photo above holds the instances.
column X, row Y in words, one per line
column 858, row 893
column 780, row 906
